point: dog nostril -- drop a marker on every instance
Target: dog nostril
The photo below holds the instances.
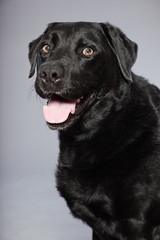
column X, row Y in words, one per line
column 51, row 74
column 55, row 76
column 43, row 74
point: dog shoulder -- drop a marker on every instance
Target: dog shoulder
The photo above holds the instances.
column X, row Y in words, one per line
column 148, row 90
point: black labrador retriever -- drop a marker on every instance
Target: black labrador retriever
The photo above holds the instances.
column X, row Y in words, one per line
column 109, row 128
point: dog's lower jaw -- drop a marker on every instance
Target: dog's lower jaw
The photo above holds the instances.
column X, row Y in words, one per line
column 63, row 126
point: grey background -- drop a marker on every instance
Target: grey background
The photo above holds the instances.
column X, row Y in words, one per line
column 30, row 207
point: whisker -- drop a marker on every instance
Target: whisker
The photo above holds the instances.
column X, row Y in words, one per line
column 32, row 93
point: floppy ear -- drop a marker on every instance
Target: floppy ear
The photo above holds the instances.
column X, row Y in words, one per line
column 124, row 49
column 33, row 54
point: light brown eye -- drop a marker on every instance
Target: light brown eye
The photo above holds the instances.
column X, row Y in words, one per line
column 88, row 51
column 46, row 48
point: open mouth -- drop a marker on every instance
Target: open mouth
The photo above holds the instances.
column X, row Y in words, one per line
column 61, row 112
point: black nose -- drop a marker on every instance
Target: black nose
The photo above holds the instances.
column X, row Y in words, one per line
column 51, row 73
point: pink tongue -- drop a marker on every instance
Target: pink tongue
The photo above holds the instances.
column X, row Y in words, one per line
column 58, row 111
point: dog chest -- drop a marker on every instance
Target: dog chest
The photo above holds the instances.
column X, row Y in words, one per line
column 101, row 203
column 84, row 193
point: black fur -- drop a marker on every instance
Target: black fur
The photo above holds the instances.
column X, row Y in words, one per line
column 109, row 162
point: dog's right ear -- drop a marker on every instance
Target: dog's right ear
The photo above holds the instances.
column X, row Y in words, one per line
column 124, row 49
column 33, row 46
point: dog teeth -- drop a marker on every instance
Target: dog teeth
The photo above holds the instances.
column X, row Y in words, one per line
column 79, row 99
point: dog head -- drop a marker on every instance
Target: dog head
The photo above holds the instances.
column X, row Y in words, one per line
column 74, row 62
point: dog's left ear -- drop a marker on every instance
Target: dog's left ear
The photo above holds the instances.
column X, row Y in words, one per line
column 33, row 54
column 124, row 49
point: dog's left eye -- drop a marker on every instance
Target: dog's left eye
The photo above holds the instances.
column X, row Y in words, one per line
column 46, row 48
column 88, row 51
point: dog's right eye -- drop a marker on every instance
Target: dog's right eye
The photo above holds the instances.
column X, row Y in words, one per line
column 88, row 51
column 46, row 48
